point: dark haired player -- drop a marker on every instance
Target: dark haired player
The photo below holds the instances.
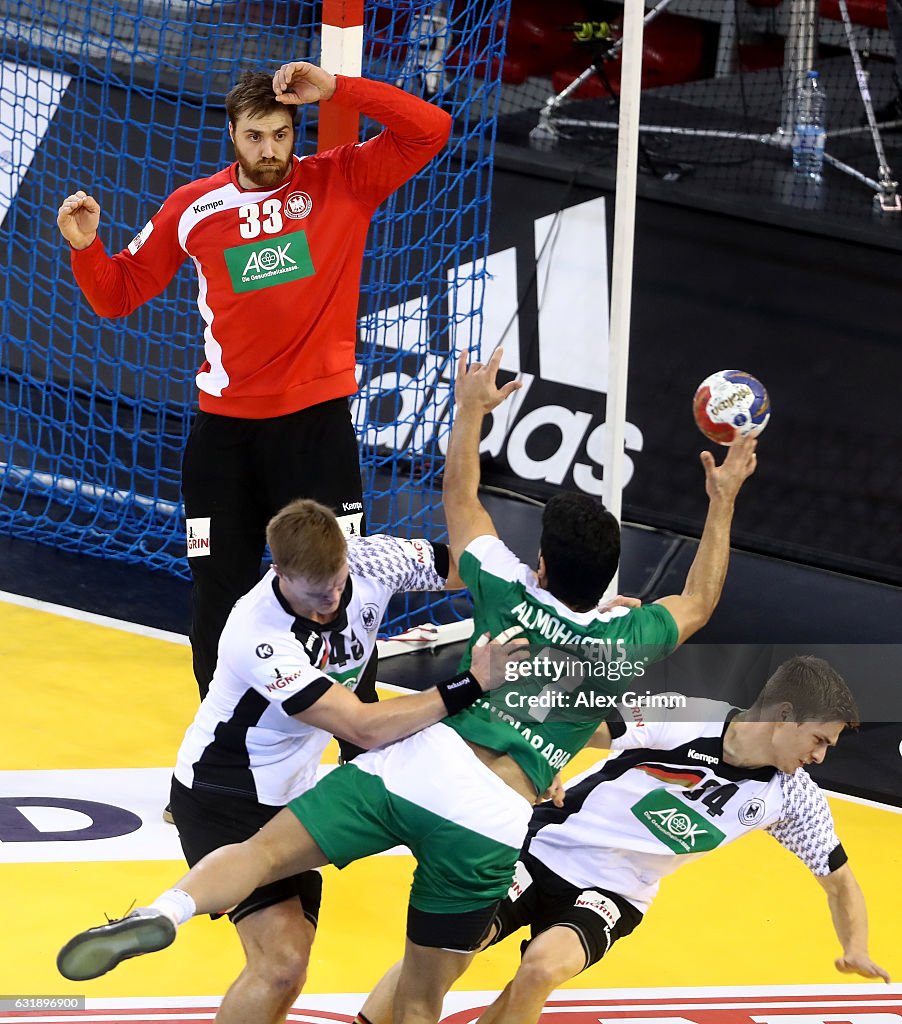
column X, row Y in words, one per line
column 555, row 604
column 592, row 866
column 460, row 793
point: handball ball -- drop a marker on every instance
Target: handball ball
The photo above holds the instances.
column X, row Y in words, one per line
column 731, row 404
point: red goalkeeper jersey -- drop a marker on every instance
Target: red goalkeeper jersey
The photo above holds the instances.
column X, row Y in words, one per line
column 278, row 269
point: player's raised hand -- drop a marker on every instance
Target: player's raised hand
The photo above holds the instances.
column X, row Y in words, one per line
column 474, row 385
column 300, row 82
column 77, row 218
column 724, row 481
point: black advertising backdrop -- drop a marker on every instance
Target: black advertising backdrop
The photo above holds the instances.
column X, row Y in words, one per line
column 815, row 318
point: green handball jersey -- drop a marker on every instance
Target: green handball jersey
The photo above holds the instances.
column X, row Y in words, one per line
column 579, row 664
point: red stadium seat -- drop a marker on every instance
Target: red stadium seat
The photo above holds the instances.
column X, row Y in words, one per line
column 537, row 37
column 766, row 52
column 538, row 41
column 871, row 13
column 672, row 52
column 540, row 44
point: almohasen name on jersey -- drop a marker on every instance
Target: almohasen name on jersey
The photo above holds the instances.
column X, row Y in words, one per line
column 539, row 621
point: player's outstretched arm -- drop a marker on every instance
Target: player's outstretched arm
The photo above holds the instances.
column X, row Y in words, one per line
column 475, row 394
column 78, row 218
column 300, row 82
column 850, row 921
column 371, row 725
column 705, row 579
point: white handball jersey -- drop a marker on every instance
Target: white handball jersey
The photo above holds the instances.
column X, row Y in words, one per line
column 272, row 665
column 665, row 796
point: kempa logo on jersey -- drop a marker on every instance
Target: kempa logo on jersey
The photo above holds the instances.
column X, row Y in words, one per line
column 206, row 207
column 707, row 758
column 677, row 826
column 298, row 205
column 269, row 262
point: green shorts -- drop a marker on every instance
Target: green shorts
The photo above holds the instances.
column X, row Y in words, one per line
column 431, row 793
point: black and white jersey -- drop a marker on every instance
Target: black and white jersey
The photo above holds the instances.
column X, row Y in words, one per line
column 272, row 665
column 665, row 796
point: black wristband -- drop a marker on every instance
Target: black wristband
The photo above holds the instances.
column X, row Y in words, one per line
column 460, row 692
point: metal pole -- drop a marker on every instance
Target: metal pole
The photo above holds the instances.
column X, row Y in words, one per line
column 801, row 52
column 622, row 275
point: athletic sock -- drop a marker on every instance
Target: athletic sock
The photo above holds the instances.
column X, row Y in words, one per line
column 177, row 905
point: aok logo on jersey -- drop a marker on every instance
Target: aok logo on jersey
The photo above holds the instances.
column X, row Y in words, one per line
column 677, row 826
column 269, row 262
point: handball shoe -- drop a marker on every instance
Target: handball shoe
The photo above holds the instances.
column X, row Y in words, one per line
column 97, row 950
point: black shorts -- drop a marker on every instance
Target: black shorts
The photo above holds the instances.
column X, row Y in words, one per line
column 236, row 475
column 206, row 821
column 545, row 900
column 240, row 472
column 461, row 933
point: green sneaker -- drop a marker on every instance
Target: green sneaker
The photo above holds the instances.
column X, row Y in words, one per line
column 98, row 950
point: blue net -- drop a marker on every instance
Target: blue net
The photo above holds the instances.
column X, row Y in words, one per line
column 125, row 100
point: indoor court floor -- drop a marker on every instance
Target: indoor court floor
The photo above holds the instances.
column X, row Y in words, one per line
column 94, row 711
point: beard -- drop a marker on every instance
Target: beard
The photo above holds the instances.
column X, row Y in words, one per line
column 264, row 173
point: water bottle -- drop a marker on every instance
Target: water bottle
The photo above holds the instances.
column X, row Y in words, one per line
column 810, row 133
